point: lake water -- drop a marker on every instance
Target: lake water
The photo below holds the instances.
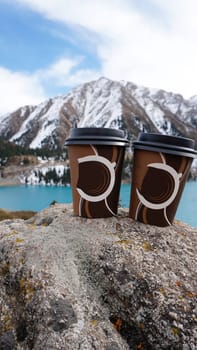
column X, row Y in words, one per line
column 39, row 197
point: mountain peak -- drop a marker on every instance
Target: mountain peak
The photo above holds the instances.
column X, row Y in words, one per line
column 101, row 103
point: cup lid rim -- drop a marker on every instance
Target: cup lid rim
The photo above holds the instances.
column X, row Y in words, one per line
column 161, row 146
column 96, row 134
column 94, row 137
column 166, row 141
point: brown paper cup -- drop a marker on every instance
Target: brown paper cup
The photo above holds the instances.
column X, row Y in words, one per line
column 95, row 167
column 160, row 170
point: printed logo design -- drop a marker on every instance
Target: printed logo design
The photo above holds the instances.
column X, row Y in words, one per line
column 104, row 166
column 176, row 179
column 97, row 183
column 158, row 190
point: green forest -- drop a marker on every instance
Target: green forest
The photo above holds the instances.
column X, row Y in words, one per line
column 9, row 149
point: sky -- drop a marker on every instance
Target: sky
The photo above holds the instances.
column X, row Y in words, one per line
column 49, row 47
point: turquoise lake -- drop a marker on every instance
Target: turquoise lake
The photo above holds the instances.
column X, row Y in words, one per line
column 39, row 197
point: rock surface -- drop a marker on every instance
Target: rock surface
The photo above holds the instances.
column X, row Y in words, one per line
column 104, row 284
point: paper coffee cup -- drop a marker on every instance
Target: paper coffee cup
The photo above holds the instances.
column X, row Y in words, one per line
column 161, row 165
column 96, row 156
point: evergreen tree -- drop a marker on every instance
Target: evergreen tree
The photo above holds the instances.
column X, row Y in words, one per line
column 66, row 176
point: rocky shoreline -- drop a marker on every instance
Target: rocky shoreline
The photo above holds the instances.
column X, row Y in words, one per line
column 34, row 173
column 9, row 182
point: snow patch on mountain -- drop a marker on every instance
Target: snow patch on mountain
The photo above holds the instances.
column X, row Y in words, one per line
column 47, row 115
column 102, row 106
column 37, row 176
column 48, row 121
column 26, row 125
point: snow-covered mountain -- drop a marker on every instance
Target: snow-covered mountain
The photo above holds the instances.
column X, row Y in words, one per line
column 105, row 103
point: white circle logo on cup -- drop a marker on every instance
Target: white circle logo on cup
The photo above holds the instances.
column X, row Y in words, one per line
column 110, row 166
column 176, row 177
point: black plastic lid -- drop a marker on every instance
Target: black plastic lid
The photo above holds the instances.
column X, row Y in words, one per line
column 106, row 136
column 165, row 143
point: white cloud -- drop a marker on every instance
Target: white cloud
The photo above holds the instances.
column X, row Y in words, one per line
column 58, row 71
column 82, row 76
column 66, row 72
column 18, row 89
column 158, row 51
column 94, row 15
column 154, row 45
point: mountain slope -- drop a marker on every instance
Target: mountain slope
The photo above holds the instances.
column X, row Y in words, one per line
column 101, row 103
